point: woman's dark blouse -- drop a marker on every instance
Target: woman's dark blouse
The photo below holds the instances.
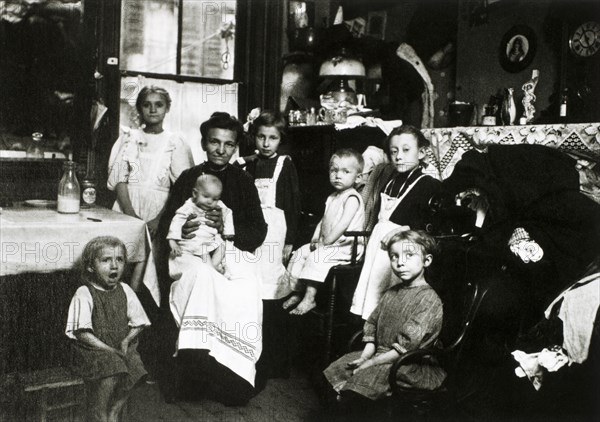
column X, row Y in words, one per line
column 239, row 194
column 287, row 190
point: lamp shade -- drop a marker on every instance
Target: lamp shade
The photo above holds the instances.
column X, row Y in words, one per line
column 342, row 65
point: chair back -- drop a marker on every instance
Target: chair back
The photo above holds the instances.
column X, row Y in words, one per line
column 356, row 236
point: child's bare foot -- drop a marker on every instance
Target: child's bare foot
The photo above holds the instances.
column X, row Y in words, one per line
column 292, row 301
column 305, row 306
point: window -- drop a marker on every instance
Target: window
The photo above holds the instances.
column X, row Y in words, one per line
column 186, row 47
column 193, row 38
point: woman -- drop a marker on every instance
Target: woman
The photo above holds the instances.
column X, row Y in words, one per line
column 219, row 318
column 396, row 196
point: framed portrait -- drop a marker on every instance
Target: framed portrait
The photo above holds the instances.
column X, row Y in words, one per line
column 517, row 48
column 376, row 23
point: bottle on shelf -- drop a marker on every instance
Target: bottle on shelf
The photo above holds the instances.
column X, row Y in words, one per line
column 35, row 149
column 564, row 102
column 509, row 109
column 68, row 190
column 311, row 117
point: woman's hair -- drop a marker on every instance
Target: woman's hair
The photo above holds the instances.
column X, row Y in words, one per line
column 222, row 120
column 93, row 248
column 422, row 141
column 419, row 237
column 271, row 119
column 151, row 89
column 350, row 153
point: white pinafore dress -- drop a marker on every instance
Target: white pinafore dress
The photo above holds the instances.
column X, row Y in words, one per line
column 376, row 275
column 270, row 253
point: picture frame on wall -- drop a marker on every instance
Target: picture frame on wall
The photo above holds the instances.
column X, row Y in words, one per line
column 376, row 24
column 517, row 48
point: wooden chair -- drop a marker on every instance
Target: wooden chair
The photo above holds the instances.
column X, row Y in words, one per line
column 341, row 281
column 422, row 403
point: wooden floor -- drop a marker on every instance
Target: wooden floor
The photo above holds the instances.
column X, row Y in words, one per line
column 285, row 400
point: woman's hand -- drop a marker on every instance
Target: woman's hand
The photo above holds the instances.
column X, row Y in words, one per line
column 189, row 227
column 387, row 237
column 214, row 219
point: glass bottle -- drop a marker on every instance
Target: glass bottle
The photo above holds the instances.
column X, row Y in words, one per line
column 509, row 109
column 564, row 102
column 35, row 149
column 311, row 117
column 68, row 190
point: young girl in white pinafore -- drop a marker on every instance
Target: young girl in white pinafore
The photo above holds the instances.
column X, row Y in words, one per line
column 143, row 165
column 277, row 183
column 396, row 197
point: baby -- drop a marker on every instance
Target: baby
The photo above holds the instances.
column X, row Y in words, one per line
column 207, row 243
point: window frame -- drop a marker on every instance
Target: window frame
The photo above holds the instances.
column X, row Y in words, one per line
column 178, row 77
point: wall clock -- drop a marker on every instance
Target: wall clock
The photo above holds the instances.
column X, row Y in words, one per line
column 585, row 40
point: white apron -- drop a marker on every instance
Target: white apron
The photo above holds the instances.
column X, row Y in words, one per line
column 223, row 316
column 270, row 253
column 376, row 275
column 148, row 188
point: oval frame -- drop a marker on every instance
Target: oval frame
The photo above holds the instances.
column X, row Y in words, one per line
column 517, row 48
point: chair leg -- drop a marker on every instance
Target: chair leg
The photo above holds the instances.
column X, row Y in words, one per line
column 43, row 405
column 329, row 321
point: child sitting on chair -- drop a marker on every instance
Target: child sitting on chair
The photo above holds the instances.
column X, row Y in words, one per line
column 207, row 244
column 105, row 318
column 344, row 210
column 408, row 317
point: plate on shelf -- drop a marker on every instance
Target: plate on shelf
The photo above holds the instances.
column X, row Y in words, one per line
column 40, row 203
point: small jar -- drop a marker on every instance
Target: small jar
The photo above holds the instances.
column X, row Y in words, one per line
column 68, row 190
column 488, row 119
column 88, row 193
column 35, row 149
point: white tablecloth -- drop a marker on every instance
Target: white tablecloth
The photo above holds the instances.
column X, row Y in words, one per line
column 42, row 240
